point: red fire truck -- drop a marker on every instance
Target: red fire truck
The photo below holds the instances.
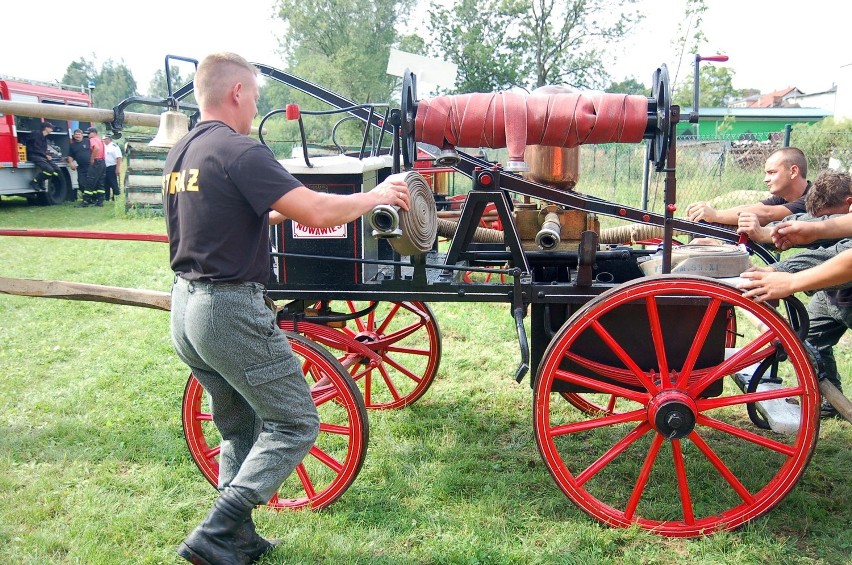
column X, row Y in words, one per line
column 16, row 173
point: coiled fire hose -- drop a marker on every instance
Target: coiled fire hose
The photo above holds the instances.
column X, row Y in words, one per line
column 413, row 231
column 632, row 234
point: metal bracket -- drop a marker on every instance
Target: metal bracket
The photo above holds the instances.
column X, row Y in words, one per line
column 471, row 215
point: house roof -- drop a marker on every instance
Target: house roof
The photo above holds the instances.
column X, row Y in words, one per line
column 773, row 99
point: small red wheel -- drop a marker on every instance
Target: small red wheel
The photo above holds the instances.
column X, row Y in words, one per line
column 404, row 335
column 333, row 462
column 681, row 458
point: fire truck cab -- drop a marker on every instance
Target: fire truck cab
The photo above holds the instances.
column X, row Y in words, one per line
column 16, row 172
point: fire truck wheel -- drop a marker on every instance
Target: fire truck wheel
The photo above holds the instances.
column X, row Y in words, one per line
column 333, row 462
column 55, row 191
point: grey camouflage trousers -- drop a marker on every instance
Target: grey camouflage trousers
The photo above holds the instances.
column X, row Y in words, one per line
column 260, row 401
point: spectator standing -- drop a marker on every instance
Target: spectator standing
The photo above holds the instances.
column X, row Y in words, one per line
column 79, row 157
column 93, row 195
column 112, row 159
column 37, row 153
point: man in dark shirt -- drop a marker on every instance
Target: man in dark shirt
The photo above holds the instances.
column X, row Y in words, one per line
column 37, row 153
column 79, row 156
column 221, row 190
column 786, row 178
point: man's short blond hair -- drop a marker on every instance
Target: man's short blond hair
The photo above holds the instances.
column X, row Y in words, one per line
column 216, row 75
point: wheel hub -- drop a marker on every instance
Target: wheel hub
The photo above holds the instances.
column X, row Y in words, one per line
column 672, row 413
column 368, row 339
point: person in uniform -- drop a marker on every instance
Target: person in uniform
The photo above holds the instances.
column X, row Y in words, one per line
column 79, row 157
column 93, row 194
column 112, row 160
column 37, row 153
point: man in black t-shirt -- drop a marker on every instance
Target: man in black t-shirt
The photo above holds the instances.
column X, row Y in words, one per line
column 79, row 155
column 221, row 190
column 786, row 178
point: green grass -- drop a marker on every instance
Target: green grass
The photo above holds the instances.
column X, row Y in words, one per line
column 94, row 468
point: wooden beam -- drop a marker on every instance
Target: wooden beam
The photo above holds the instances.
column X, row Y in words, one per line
column 88, row 292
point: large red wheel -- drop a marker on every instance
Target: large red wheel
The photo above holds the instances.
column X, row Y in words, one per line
column 335, row 459
column 681, row 457
column 405, row 341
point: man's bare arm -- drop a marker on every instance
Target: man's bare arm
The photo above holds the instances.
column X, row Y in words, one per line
column 729, row 216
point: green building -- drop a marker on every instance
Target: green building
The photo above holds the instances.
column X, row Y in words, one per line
column 746, row 123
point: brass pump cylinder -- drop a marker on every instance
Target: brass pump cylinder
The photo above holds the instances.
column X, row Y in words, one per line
column 558, row 167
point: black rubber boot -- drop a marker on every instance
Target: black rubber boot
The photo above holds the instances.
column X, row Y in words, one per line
column 252, row 544
column 214, row 541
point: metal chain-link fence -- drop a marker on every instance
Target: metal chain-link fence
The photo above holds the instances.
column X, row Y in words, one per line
column 724, row 170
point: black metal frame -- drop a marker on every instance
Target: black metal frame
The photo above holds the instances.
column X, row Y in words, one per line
column 434, row 277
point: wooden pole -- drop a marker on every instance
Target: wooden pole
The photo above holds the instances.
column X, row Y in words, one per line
column 88, row 292
column 80, row 113
column 836, row 398
column 62, row 112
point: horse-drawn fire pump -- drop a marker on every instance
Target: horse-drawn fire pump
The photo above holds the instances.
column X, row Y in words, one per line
column 707, row 403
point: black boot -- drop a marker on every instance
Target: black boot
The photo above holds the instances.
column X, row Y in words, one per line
column 250, row 543
column 214, row 541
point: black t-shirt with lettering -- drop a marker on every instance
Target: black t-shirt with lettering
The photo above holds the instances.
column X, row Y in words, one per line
column 218, row 187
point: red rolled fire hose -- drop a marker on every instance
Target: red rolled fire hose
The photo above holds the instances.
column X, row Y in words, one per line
column 515, row 120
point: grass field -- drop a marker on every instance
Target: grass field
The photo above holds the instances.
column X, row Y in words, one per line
column 94, row 468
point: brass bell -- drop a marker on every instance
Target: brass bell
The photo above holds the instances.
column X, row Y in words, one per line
column 173, row 126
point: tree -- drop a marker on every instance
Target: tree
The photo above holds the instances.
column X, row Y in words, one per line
column 690, row 37
column 628, row 86
column 530, row 43
column 115, row 83
column 112, row 83
column 715, row 82
column 563, row 40
column 472, row 35
column 159, row 87
column 715, row 88
column 344, row 45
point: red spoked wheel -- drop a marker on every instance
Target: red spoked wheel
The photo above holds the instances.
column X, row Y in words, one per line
column 333, row 462
column 680, row 458
column 404, row 336
column 595, row 403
